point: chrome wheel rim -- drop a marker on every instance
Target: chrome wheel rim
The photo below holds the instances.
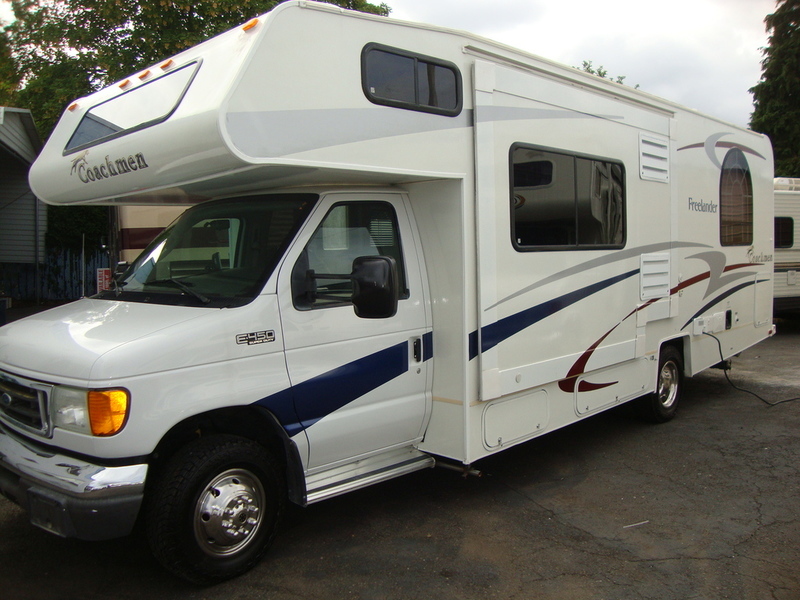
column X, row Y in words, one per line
column 228, row 513
column 668, row 381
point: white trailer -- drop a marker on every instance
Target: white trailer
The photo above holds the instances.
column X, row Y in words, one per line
column 787, row 246
column 137, row 226
column 408, row 245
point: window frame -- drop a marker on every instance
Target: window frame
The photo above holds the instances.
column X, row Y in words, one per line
column 417, row 105
column 300, row 204
column 402, row 275
column 779, row 243
column 196, row 64
column 743, row 238
column 577, row 246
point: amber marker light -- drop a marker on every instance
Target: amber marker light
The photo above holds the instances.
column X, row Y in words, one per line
column 108, row 410
column 125, row 84
column 73, row 106
column 145, row 74
column 250, row 24
column 166, row 64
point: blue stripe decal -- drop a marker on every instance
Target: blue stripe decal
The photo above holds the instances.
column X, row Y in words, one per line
column 720, row 298
column 494, row 333
column 427, row 346
column 282, row 407
column 322, row 395
column 306, row 403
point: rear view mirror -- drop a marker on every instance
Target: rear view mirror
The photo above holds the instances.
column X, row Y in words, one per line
column 375, row 287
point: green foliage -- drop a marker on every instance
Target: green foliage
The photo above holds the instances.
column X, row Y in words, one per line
column 71, row 227
column 587, row 67
column 777, row 95
column 9, row 78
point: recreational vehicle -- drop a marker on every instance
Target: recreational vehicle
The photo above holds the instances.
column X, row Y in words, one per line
column 404, row 245
column 787, row 247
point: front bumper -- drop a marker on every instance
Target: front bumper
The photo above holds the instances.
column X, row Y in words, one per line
column 67, row 496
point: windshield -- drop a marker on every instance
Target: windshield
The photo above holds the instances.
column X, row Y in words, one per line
column 217, row 254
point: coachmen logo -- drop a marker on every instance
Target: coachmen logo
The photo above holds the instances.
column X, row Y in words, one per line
column 112, row 167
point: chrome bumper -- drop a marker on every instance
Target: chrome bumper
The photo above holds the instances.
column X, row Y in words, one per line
column 68, row 496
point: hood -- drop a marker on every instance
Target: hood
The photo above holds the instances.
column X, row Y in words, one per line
column 67, row 341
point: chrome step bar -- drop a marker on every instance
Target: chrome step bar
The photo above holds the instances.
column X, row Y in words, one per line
column 363, row 473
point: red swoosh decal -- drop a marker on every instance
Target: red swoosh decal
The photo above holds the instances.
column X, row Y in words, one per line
column 568, row 383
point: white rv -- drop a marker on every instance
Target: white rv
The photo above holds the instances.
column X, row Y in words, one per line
column 787, row 246
column 406, row 245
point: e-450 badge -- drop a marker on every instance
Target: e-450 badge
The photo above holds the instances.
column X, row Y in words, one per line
column 255, row 337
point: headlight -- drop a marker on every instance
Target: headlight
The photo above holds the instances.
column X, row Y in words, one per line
column 69, row 410
column 93, row 412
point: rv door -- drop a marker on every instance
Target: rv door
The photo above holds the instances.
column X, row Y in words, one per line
column 360, row 383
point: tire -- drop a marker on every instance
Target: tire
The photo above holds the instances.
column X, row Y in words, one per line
column 662, row 405
column 214, row 509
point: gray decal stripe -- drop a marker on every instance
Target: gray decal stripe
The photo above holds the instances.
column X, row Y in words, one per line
column 494, row 333
column 717, row 299
column 490, row 113
column 270, row 134
column 599, row 262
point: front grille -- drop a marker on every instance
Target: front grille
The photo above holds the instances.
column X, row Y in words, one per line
column 24, row 403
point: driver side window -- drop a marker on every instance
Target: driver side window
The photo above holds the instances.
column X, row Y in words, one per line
column 349, row 230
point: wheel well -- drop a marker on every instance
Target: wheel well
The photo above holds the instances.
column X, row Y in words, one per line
column 250, row 422
column 680, row 344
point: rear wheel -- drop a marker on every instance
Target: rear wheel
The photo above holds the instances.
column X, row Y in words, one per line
column 661, row 405
column 215, row 508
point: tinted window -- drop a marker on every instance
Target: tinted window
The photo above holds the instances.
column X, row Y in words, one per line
column 217, row 254
column 406, row 80
column 144, row 105
column 735, row 200
column 784, row 232
column 533, row 173
column 349, row 231
column 391, row 76
column 437, row 86
column 566, row 201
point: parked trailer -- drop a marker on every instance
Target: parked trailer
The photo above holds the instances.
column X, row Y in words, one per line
column 137, row 226
column 787, row 246
column 406, row 245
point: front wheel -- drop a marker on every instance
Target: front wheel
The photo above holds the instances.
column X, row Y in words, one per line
column 215, row 508
column 661, row 405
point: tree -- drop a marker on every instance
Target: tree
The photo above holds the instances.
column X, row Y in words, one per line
column 601, row 72
column 776, row 96
column 9, row 78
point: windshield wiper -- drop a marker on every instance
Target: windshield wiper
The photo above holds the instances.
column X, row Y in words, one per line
column 183, row 287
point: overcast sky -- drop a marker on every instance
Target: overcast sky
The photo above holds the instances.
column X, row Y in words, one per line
column 704, row 54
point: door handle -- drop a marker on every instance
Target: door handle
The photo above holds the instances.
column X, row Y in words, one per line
column 417, row 345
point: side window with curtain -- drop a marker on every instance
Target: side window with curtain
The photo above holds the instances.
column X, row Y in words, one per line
column 349, row 230
column 735, row 200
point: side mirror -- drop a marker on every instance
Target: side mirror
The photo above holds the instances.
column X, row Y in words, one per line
column 375, row 287
column 120, row 269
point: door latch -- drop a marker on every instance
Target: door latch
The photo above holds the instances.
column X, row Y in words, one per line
column 418, row 349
